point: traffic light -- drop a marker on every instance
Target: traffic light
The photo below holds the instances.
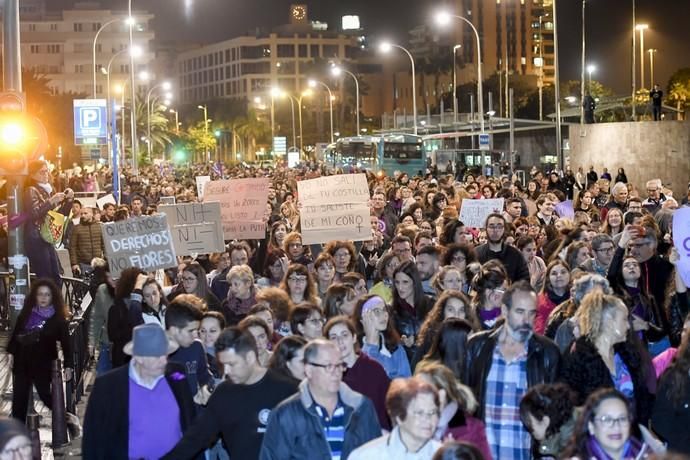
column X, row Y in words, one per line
column 180, row 156
column 23, row 137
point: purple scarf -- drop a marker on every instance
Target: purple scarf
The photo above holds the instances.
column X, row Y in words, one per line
column 38, row 318
column 631, row 449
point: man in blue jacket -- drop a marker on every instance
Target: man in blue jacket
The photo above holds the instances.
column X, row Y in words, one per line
column 325, row 419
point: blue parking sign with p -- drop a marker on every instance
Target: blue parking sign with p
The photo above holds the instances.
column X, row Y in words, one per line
column 90, row 123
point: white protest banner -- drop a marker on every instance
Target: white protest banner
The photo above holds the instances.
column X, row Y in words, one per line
column 195, row 227
column 473, row 213
column 166, row 200
column 681, row 240
column 88, row 202
column 200, row 184
column 102, row 201
column 242, row 206
column 334, row 208
column 143, row 242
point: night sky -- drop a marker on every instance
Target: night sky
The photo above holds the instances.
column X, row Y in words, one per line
column 608, row 27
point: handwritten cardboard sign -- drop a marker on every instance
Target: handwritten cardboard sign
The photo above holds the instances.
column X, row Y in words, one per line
column 143, row 242
column 473, row 213
column 334, row 208
column 107, row 199
column 242, row 206
column 681, row 240
column 195, row 227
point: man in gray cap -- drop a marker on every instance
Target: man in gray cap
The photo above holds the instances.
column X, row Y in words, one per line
column 139, row 410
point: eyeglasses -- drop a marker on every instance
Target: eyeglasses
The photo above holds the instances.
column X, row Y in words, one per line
column 652, row 190
column 425, row 413
column 298, row 279
column 188, row 279
column 495, row 227
column 610, row 422
column 24, row 451
column 339, row 367
column 459, row 258
column 606, row 250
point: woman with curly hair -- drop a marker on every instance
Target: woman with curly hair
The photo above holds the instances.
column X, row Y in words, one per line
column 345, row 256
column 241, row 294
column 290, row 216
column 462, row 256
column 280, row 304
column 41, row 324
column 448, row 278
column 548, row 411
column 670, row 417
column 378, row 337
column 454, row 232
column 451, row 304
column 606, row 356
column 296, row 252
column 603, row 430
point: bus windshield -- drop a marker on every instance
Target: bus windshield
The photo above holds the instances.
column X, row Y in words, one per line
column 400, row 151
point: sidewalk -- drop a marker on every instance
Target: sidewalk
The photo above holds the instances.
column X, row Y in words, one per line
column 71, row 450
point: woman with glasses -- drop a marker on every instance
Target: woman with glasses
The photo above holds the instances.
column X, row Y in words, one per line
column 605, row 355
column 457, row 404
column 193, row 281
column 15, row 440
column 41, row 324
column 275, row 268
column 363, row 374
column 296, row 252
column 344, row 256
column 413, row 406
column 307, row 320
column 448, row 278
column 40, row 199
column 299, row 285
column 380, row 341
column 603, row 430
column 489, row 285
column 463, row 257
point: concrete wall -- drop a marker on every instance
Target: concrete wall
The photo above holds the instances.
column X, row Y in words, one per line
column 646, row 150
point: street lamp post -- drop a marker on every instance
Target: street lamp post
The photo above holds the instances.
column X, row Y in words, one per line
column 557, row 89
column 177, row 121
column 166, row 86
column 312, row 84
column 444, row 18
column 133, row 93
column 292, row 109
column 590, row 69
column 386, row 47
column 455, row 85
column 642, row 28
column 651, row 52
column 582, row 68
column 112, row 21
column 275, row 91
column 335, row 70
column 205, row 109
column 306, row 92
column 632, row 66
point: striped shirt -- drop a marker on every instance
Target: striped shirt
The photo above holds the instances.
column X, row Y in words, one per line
column 333, row 427
column 506, row 384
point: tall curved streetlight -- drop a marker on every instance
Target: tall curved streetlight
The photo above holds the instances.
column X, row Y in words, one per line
column 133, row 93
column 443, row 18
column 336, row 71
column 277, row 92
column 95, row 39
column 166, row 86
column 313, row 84
column 386, row 47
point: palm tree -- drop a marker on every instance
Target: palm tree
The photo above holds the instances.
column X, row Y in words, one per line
column 254, row 131
column 161, row 134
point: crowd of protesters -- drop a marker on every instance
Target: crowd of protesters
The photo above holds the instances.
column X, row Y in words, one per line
column 535, row 336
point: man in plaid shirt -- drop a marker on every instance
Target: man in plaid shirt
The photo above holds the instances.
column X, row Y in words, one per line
column 502, row 364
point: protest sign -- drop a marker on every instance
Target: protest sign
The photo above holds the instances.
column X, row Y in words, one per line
column 200, row 184
column 88, row 202
column 143, row 242
column 473, row 213
column 242, row 206
column 102, row 201
column 334, row 208
column 166, row 200
column 195, row 227
column 565, row 209
column 681, row 241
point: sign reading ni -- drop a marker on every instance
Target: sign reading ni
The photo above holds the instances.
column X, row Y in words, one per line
column 90, row 122
column 196, row 228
